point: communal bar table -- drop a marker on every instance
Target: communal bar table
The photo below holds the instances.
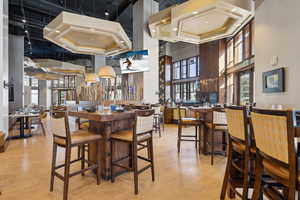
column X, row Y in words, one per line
column 105, row 124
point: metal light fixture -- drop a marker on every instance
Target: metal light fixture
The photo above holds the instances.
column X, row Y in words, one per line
column 107, row 72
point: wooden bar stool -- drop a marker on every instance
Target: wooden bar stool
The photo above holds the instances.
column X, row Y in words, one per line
column 38, row 121
column 139, row 138
column 185, row 121
column 240, row 154
column 68, row 141
column 217, row 124
column 157, row 119
column 274, row 134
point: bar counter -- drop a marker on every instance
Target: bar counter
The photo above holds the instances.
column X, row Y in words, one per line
column 105, row 124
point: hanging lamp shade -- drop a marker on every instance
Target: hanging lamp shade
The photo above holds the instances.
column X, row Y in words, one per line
column 87, row 35
column 91, row 78
column 107, row 72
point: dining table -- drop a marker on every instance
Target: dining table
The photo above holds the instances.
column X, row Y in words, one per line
column 24, row 123
column 105, row 124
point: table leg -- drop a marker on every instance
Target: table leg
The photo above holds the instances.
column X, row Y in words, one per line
column 204, row 150
column 22, row 134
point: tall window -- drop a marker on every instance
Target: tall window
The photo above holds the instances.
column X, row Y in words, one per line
column 244, row 87
column 247, row 41
column 176, row 74
column 230, row 89
column 183, row 69
column 192, row 66
column 252, row 37
column 177, row 92
column 168, row 72
column 34, row 84
column 192, row 91
column 238, row 47
column 230, row 53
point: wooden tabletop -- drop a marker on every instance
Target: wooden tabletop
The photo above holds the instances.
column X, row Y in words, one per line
column 103, row 117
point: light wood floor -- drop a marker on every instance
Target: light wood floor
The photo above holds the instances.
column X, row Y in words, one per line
column 25, row 173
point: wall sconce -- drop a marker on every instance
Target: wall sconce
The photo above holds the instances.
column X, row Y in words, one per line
column 7, row 84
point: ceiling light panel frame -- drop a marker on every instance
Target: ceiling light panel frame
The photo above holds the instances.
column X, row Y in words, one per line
column 89, row 32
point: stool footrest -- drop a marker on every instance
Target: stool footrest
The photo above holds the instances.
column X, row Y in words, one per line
column 71, row 162
column 83, row 170
column 144, row 169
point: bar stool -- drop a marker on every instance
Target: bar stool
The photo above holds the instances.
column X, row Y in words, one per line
column 185, row 121
column 217, row 124
column 276, row 155
column 157, row 119
column 139, row 138
column 240, row 154
column 68, row 141
column 38, row 121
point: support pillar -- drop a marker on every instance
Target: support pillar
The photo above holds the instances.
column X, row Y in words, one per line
column 142, row 40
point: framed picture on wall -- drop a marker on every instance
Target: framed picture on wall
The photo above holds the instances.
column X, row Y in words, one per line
column 273, row 81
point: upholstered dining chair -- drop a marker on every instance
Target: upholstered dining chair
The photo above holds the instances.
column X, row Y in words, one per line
column 275, row 153
column 217, row 124
column 240, row 153
column 139, row 137
column 68, row 139
column 184, row 122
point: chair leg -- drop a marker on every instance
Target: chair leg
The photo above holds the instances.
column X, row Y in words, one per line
column 196, row 136
column 43, row 129
column 227, row 174
column 199, row 136
column 112, row 162
column 258, row 179
column 246, row 176
column 67, row 172
column 163, row 123
column 98, row 163
column 152, row 159
column 53, row 166
column 212, row 145
column 82, row 150
column 159, row 124
column 179, row 137
column 135, row 169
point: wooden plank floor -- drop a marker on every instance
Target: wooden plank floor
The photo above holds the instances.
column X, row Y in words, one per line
column 25, row 173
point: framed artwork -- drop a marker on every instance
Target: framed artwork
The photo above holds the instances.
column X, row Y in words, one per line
column 273, row 81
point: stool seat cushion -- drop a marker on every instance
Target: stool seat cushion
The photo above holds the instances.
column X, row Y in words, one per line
column 79, row 137
column 190, row 121
column 126, row 135
column 217, row 127
column 84, row 125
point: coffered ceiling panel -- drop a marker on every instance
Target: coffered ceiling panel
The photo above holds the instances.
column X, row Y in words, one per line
column 87, row 35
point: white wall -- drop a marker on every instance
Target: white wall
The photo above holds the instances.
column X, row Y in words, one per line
column 16, row 70
column 277, row 31
column 180, row 50
column 3, row 65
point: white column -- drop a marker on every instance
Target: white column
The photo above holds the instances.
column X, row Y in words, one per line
column 45, row 93
column 16, row 70
column 142, row 10
column 3, row 65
